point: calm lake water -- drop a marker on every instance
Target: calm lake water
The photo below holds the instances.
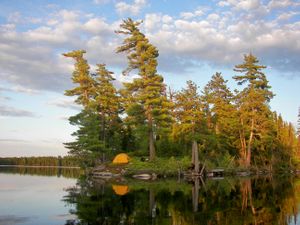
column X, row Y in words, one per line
column 35, row 196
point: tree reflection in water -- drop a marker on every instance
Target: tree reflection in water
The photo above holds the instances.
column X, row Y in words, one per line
column 267, row 200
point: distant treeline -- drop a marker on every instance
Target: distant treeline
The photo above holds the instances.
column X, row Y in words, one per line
column 43, row 171
column 66, row 161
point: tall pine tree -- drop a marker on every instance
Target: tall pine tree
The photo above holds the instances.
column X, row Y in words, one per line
column 189, row 118
column 221, row 112
column 146, row 98
column 252, row 103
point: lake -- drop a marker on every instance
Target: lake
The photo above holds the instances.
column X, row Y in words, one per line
column 36, row 196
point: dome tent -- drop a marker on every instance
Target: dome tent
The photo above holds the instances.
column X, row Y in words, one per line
column 121, row 158
column 120, row 189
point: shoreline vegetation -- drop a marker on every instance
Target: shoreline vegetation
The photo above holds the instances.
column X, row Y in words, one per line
column 144, row 118
column 159, row 168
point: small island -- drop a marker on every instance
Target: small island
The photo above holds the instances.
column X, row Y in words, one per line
column 165, row 130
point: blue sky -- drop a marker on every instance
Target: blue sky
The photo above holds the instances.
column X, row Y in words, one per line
column 195, row 39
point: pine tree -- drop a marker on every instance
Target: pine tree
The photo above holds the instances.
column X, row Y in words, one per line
column 219, row 109
column 189, row 118
column 98, row 122
column 81, row 77
column 87, row 146
column 252, row 103
column 146, row 99
column 107, row 104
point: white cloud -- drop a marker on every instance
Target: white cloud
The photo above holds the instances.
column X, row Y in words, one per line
column 14, row 17
column 248, row 4
column 133, row 9
column 241, row 4
column 97, row 26
column 287, row 15
column 213, row 17
column 100, row 2
column 223, row 3
column 280, row 3
column 190, row 15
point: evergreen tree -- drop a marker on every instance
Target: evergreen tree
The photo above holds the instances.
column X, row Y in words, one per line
column 146, row 101
column 82, row 78
column 87, row 146
column 222, row 116
column 189, row 118
column 107, row 105
column 98, row 122
column 252, row 103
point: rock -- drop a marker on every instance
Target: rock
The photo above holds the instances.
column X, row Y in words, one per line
column 143, row 176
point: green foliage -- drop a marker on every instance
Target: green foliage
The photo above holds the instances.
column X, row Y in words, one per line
column 188, row 113
column 161, row 166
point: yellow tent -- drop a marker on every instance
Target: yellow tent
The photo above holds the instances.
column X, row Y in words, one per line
column 121, row 158
column 120, row 189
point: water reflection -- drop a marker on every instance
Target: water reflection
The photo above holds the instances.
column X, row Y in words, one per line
column 267, row 200
column 31, row 196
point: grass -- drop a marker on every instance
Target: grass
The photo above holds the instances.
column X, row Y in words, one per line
column 160, row 166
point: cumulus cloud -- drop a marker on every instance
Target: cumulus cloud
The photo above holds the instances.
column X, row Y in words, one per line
column 31, row 59
column 241, row 4
column 287, row 15
column 223, row 38
column 132, row 9
column 282, row 3
column 190, row 15
column 14, row 112
column 99, row 2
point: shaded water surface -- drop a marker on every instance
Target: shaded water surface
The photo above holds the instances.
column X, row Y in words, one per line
column 265, row 200
column 35, row 199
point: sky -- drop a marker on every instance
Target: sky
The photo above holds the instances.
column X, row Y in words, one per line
column 195, row 38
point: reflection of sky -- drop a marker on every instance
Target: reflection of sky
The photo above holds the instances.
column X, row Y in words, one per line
column 33, row 200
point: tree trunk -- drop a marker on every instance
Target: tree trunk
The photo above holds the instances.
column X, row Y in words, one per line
column 152, row 203
column 243, row 152
column 195, row 195
column 102, row 134
column 151, row 139
column 248, row 159
column 195, row 157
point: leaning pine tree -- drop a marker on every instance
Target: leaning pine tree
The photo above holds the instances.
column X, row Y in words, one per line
column 253, row 105
column 146, row 94
column 84, row 89
column 87, row 143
